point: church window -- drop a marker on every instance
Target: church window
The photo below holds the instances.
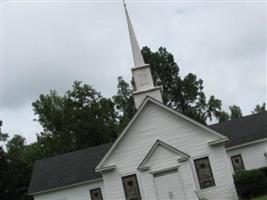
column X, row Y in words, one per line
column 237, row 163
column 204, row 173
column 131, row 188
column 96, row 194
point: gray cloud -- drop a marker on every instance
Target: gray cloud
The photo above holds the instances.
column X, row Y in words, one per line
column 49, row 45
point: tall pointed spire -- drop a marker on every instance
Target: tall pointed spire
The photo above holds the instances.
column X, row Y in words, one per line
column 137, row 55
column 141, row 72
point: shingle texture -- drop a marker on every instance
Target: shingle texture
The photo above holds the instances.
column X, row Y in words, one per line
column 243, row 130
column 66, row 169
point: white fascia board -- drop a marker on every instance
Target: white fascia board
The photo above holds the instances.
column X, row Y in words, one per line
column 212, row 143
column 109, row 168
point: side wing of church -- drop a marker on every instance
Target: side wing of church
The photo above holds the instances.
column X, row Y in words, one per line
column 160, row 155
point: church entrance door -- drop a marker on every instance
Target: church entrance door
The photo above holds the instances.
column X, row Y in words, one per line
column 169, row 185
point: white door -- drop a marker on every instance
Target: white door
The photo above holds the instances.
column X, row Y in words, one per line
column 169, row 186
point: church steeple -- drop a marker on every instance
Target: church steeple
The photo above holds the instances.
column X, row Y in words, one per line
column 141, row 71
column 137, row 56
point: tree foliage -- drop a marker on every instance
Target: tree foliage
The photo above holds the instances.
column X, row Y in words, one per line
column 15, row 169
column 79, row 119
column 184, row 94
column 235, row 112
column 260, row 108
column 3, row 136
column 15, row 145
column 223, row 116
column 124, row 103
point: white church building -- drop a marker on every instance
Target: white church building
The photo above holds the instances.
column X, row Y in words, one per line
column 160, row 155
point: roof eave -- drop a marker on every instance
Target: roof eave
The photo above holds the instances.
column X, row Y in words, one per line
column 108, row 168
column 220, row 141
column 246, row 144
column 64, row 187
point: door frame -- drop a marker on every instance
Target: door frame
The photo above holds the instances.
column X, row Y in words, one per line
column 166, row 170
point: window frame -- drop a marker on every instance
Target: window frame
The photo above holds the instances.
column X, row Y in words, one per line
column 96, row 189
column 232, row 157
column 198, row 175
column 125, row 193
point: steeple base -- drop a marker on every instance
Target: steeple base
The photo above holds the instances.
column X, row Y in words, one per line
column 139, row 96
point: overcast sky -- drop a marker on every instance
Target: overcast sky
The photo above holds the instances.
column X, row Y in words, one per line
column 48, row 45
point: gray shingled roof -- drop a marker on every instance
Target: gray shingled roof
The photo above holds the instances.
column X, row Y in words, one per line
column 243, row 130
column 66, row 169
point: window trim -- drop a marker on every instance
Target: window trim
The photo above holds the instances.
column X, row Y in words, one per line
column 131, row 175
column 95, row 189
column 237, row 155
column 197, row 172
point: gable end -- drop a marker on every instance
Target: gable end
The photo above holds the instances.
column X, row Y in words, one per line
column 221, row 138
column 183, row 155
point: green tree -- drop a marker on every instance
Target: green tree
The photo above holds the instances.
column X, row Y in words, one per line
column 235, row 112
column 79, row 119
column 3, row 165
column 184, row 94
column 3, row 136
column 124, row 103
column 16, row 145
column 223, row 116
column 259, row 108
column 14, row 170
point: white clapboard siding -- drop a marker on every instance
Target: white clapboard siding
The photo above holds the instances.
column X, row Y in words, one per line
column 155, row 123
column 81, row 192
column 252, row 155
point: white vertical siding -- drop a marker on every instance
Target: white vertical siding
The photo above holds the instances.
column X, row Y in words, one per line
column 157, row 123
column 252, row 155
column 81, row 192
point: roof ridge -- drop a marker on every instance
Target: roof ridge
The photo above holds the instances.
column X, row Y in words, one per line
column 240, row 118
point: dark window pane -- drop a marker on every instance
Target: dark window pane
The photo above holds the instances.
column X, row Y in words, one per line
column 204, row 173
column 96, row 194
column 237, row 162
column 131, row 188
